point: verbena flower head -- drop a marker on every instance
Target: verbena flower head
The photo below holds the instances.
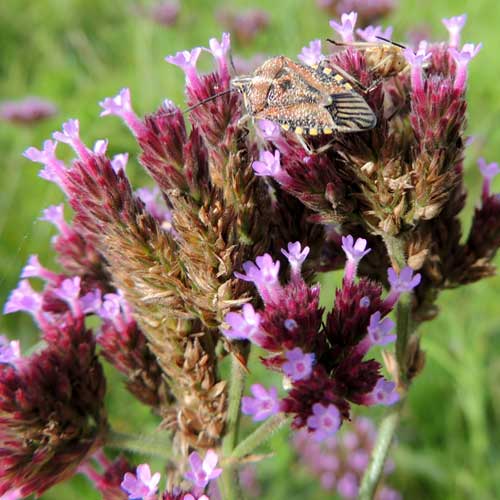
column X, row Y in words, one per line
column 27, row 111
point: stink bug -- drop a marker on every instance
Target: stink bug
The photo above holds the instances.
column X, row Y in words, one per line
column 307, row 100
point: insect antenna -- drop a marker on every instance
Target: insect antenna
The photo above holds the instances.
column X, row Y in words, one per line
column 208, row 99
column 391, row 42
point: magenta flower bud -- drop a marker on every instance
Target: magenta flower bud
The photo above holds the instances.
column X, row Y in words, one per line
column 121, row 105
column 71, row 135
column 355, row 251
column 346, row 27
column 378, row 330
column 384, row 393
column 203, row 471
column 264, row 274
column 325, row 421
column 298, row 365
column 296, row 257
column 244, row 325
column 462, row 59
column 263, row 405
column 141, row 485
column 10, row 350
column 454, row 26
column 186, row 60
column 311, row 55
column 220, row 51
column 24, row 298
column 370, row 33
column 33, row 269
column 489, row 171
column 54, row 170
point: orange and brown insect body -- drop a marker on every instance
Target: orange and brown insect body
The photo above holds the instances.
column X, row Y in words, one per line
column 307, row 100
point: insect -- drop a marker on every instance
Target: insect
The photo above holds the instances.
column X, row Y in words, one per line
column 307, row 100
column 384, row 58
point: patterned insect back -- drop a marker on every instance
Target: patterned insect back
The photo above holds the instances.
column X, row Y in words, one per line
column 307, row 100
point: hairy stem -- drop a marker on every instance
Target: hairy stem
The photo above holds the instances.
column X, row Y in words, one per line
column 380, row 451
column 144, row 444
column 229, row 479
column 260, row 435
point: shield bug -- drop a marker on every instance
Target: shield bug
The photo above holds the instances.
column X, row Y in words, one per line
column 307, row 100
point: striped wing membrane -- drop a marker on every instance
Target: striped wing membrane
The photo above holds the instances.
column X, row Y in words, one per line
column 351, row 113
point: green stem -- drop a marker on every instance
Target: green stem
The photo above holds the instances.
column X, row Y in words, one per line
column 143, row 444
column 229, row 479
column 260, row 435
column 389, row 425
column 380, row 451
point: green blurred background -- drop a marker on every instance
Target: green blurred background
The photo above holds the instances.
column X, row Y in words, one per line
column 75, row 52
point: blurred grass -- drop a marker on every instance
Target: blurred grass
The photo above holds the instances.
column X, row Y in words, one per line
column 75, row 52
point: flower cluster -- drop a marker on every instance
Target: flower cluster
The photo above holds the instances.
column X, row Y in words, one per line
column 323, row 362
column 339, row 461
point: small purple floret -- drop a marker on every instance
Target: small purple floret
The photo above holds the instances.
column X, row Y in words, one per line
column 296, row 256
column 244, row 325
column 405, row 281
column 268, row 164
column 378, row 330
column 264, row 274
column 203, row 471
column 264, row 403
column 462, row 59
column 121, row 105
column 325, row 421
column 355, row 251
column 454, row 26
column 141, row 485
column 384, row 393
column 186, row 60
column 299, row 364
column 10, row 350
column 346, row 27
column 311, row 55
column 24, row 298
column 370, row 33
column 70, row 135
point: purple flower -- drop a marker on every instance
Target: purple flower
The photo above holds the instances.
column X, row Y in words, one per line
column 346, row 27
column 71, row 135
column 165, row 13
column 141, row 485
column 121, row 105
column 220, row 50
column 355, row 251
column 370, row 33
column 33, row 269
column 268, row 164
column 454, row 26
column 488, row 171
column 10, row 350
column 263, row 405
column 186, row 60
column 405, row 281
column 264, row 274
column 119, row 162
column 54, row 170
column 270, row 130
column 55, row 215
column 91, row 302
column 27, row 111
column 244, row 325
column 378, row 331
column 384, row 393
column 299, row 364
column 24, row 298
column 347, row 486
column 417, row 60
column 325, row 421
column 202, row 472
column 100, row 147
column 296, row 257
column 462, row 59
column 69, row 292
column 311, row 55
